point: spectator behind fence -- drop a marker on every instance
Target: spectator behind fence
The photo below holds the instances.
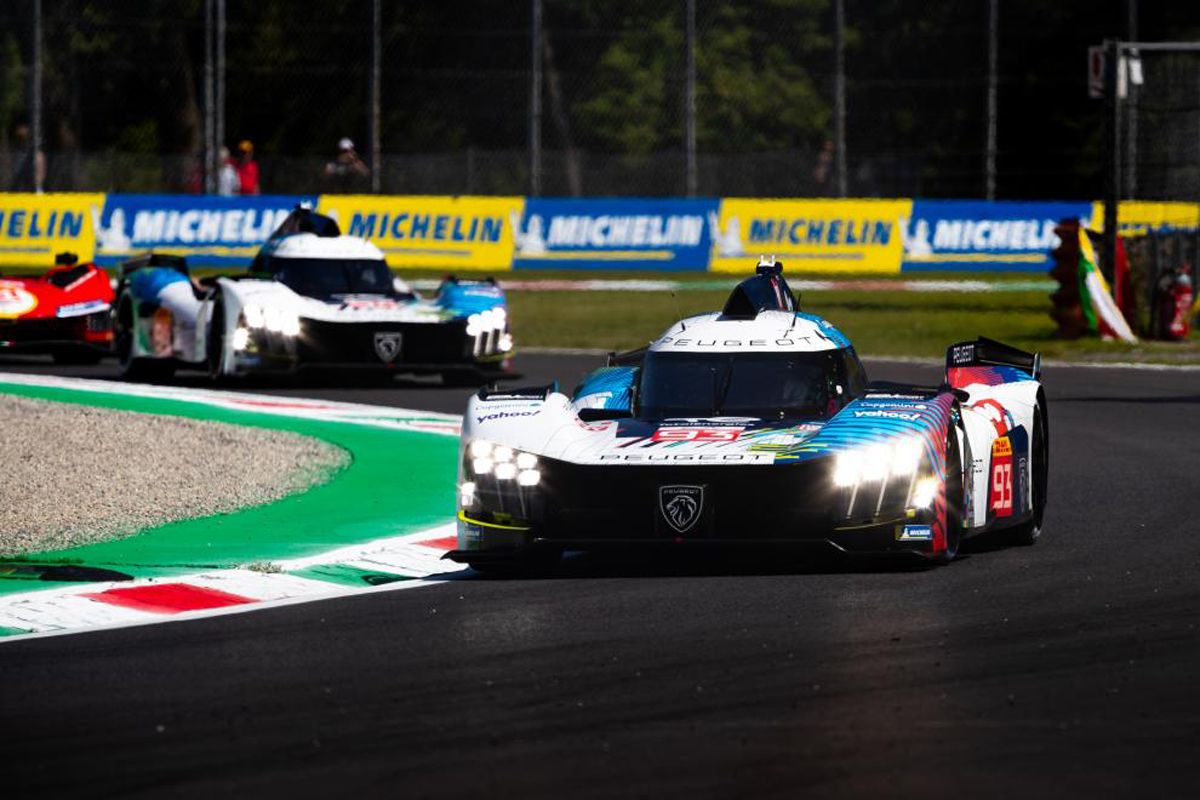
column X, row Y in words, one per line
column 228, row 182
column 347, row 171
column 29, row 169
column 247, row 168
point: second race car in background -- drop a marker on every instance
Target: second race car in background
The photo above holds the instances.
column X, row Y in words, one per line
column 65, row 312
column 313, row 298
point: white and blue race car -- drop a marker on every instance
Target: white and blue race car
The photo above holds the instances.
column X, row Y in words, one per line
column 755, row 425
column 312, row 298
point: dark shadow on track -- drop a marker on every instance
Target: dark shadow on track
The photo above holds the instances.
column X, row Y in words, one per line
column 670, row 562
column 1152, row 400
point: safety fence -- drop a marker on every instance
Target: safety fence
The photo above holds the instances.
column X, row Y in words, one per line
column 505, row 233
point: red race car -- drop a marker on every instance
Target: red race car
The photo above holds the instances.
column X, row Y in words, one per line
column 65, row 312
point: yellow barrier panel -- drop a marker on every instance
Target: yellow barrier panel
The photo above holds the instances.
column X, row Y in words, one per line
column 1135, row 217
column 443, row 232
column 828, row 235
column 33, row 227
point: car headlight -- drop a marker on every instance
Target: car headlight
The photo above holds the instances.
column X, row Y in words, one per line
column 493, row 319
column 924, row 492
column 878, row 462
column 503, row 463
column 880, row 476
column 275, row 320
column 253, row 315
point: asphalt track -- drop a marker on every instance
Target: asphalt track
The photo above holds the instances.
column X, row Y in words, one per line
column 1070, row 668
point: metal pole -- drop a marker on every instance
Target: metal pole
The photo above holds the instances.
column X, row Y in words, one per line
column 1131, row 109
column 535, row 102
column 1112, row 141
column 35, row 99
column 993, row 57
column 839, row 94
column 210, row 174
column 693, row 177
column 219, row 116
column 376, row 80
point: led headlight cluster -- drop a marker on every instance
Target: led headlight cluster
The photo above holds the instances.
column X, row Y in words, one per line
column 878, row 462
column 272, row 319
column 494, row 319
column 503, row 463
column 885, row 470
column 490, row 331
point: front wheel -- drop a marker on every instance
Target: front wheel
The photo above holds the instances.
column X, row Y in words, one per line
column 1029, row 532
column 129, row 366
column 954, row 511
column 214, row 346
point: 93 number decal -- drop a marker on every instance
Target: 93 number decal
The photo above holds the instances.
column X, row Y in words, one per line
column 1002, row 477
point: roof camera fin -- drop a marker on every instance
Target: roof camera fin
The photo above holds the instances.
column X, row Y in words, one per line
column 767, row 265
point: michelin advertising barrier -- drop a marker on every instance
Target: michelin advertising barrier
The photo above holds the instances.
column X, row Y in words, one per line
column 33, row 227
column 209, row 231
column 1009, row 236
column 502, row 233
column 451, row 233
column 614, row 234
column 810, row 235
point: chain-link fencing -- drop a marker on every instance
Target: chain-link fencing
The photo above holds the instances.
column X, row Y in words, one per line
column 130, row 91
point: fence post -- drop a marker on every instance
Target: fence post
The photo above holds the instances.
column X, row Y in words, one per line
column 693, row 178
column 535, row 102
column 1112, row 141
column 839, row 93
column 376, row 76
column 210, row 151
column 989, row 157
column 35, row 101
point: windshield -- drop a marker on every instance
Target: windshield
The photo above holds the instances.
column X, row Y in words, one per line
column 763, row 385
column 320, row 277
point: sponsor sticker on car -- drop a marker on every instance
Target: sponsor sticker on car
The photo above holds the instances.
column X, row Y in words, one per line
column 696, row 434
column 1001, row 500
column 914, row 533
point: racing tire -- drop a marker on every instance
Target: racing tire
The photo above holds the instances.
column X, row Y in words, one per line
column 129, row 367
column 954, row 500
column 1028, row 533
column 214, row 347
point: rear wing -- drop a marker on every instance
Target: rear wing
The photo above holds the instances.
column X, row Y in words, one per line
column 984, row 352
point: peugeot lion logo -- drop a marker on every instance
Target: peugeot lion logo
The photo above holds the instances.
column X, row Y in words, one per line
column 681, row 506
column 387, row 345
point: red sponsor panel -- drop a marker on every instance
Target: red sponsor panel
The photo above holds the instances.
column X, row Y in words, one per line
column 696, row 434
column 1001, row 500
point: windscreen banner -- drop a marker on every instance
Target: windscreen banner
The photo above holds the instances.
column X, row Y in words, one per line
column 208, row 231
column 616, row 234
column 34, row 227
column 823, row 235
column 451, row 233
column 975, row 235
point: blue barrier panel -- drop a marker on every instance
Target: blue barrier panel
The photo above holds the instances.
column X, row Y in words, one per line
column 209, row 231
column 1000, row 236
column 668, row 234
